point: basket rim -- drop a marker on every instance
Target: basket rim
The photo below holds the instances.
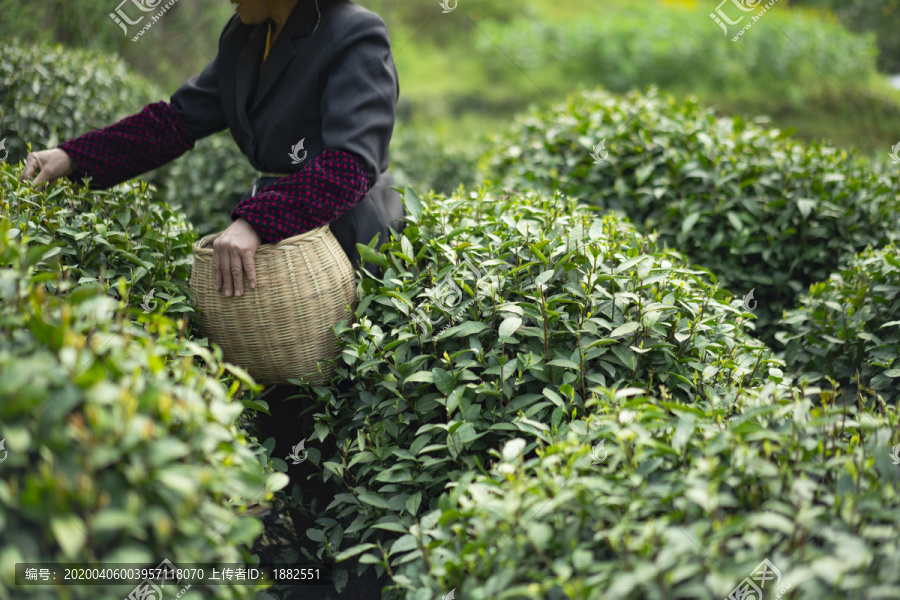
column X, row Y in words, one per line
column 203, row 246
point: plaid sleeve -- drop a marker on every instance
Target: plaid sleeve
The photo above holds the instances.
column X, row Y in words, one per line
column 326, row 189
column 136, row 144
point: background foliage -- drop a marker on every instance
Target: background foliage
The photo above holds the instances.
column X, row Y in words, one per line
column 208, row 182
column 876, row 16
column 760, row 210
column 184, row 40
column 809, row 67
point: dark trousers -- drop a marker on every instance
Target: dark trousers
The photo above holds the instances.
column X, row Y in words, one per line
column 290, row 422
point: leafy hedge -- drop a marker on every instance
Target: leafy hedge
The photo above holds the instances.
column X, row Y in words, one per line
column 677, row 501
column 121, row 433
column 760, row 210
column 563, row 305
column 103, row 236
column 850, row 324
column 67, row 92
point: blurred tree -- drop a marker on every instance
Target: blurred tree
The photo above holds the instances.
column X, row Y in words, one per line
column 881, row 17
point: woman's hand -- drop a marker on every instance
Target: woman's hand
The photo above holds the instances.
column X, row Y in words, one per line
column 233, row 253
column 52, row 164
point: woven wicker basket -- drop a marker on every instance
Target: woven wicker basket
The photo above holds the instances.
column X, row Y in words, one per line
column 281, row 329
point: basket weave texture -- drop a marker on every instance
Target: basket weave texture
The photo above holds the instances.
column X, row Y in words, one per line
column 281, row 329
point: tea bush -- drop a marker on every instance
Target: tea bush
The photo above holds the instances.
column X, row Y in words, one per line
column 121, row 432
column 120, row 448
column 655, row 499
column 762, row 211
column 547, row 305
column 101, row 236
column 849, row 325
column 66, row 93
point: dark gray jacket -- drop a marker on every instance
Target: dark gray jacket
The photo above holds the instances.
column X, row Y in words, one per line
column 329, row 81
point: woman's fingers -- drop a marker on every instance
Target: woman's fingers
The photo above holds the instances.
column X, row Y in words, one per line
column 222, row 266
column 28, row 169
column 250, row 266
column 225, row 270
column 43, row 176
column 32, row 166
column 48, row 165
column 217, row 268
column 242, row 262
column 233, row 255
column 237, row 271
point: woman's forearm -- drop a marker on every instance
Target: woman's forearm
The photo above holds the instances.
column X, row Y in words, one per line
column 136, row 144
column 325, row 190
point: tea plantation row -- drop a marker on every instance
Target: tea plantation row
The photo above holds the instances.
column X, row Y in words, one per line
column 593, row 418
